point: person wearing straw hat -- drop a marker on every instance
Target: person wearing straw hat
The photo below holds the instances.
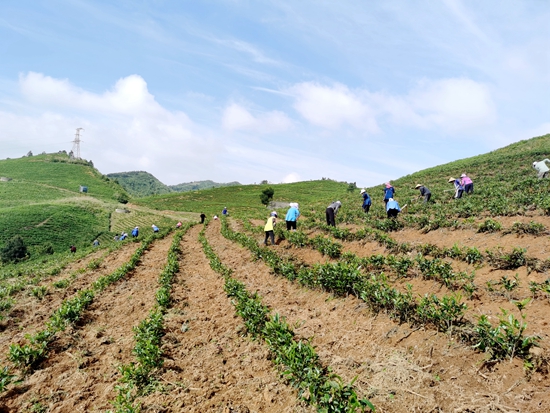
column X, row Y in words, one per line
column 459, row 189
column 366, row 201
column 424, row 192
column 467, row 183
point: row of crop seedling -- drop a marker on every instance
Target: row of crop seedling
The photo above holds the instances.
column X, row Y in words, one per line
column 138, row 378
column 445, row 314
column 497, row 258
column 298, row 359
column 28, row 356
column 18, row 279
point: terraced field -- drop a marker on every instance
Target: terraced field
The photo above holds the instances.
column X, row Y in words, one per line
column 204, row 319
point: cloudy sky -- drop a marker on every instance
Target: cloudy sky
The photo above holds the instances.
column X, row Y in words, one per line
column 282, row 90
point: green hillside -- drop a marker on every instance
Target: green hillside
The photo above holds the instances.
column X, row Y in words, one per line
column 505, row 184
column 43, row 204
column 197, row 185
column 140, row 183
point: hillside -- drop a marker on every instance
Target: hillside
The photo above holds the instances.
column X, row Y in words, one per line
column 43, row 204
column 505, row 184
column 443, row 309
column 142, row 184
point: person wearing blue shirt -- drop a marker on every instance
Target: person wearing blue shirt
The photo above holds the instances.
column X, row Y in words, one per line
column 155, row 228
column 389, row 191
column 366, row 201
column 392, row 208
column 459, row 189
column 224, row 211
column 292, row 216
column 135, row 232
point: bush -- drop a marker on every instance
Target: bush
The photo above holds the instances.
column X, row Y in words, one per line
column 267, row 195
column 15, row 250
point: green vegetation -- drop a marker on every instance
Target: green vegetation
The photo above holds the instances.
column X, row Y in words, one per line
column 267, row 195
column 14, row 250
column 141, row 184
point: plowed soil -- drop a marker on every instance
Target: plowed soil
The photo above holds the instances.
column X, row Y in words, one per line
column 211, row 365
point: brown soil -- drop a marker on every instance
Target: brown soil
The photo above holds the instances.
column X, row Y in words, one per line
column 211, row 365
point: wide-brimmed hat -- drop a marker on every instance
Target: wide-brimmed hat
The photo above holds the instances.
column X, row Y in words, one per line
column 388, row 185
column 451, row 179
column 463, row 175
column 274, row 214
column 534, row 163
column 417, row 186
column 391, row 199
column 362, row 191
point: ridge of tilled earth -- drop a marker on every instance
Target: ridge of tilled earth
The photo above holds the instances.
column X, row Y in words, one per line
column 401, row 369
column 81, row 372
column 211, row 365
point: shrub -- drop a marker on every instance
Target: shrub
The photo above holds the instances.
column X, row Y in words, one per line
column 267, row 195
column 490, row 225
column 15, row 250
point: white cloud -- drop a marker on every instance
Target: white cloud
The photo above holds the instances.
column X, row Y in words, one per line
column 236, row 118
column 332, row 107
column 291, row 177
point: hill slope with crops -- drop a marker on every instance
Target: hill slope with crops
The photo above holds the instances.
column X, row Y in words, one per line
column 443, row 309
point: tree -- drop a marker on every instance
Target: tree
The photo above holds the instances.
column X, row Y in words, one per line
column 352, row 186
column 15, row 250
column 122, row 197
column 267, row 195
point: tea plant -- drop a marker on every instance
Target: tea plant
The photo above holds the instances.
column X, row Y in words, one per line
column 506, row 340
column 489, row 225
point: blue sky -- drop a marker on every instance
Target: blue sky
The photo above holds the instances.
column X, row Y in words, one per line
column 237, row 90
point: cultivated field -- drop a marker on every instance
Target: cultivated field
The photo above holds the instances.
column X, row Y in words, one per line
column 443, row 310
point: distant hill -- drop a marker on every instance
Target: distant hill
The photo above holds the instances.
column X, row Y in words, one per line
column 197, row 185
column 141, row 184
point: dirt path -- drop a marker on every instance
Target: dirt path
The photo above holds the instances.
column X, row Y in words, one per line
column 400, row 369
column 210, row 365
column 81, row 372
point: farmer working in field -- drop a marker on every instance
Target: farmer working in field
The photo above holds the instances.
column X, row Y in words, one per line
column 155, row 228
column 467, row 183
column 135, row 232
column 424, row 192
column 389, row 191
column 392, row 208
column 203, row 217
column 331, row 212
column 366, row 201
column 269, row 227
column 459, row 189
column 541, row 168
column 292, row 216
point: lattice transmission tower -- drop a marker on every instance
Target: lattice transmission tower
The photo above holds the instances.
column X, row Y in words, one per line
column 76, row 143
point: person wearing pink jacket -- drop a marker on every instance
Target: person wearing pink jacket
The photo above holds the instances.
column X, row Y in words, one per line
column 467, row 183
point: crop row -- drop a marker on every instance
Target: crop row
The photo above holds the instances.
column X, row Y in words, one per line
column 497, row 258
column 139, row 378
column 301, row 365
column 29, row 356
column 445, row 314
